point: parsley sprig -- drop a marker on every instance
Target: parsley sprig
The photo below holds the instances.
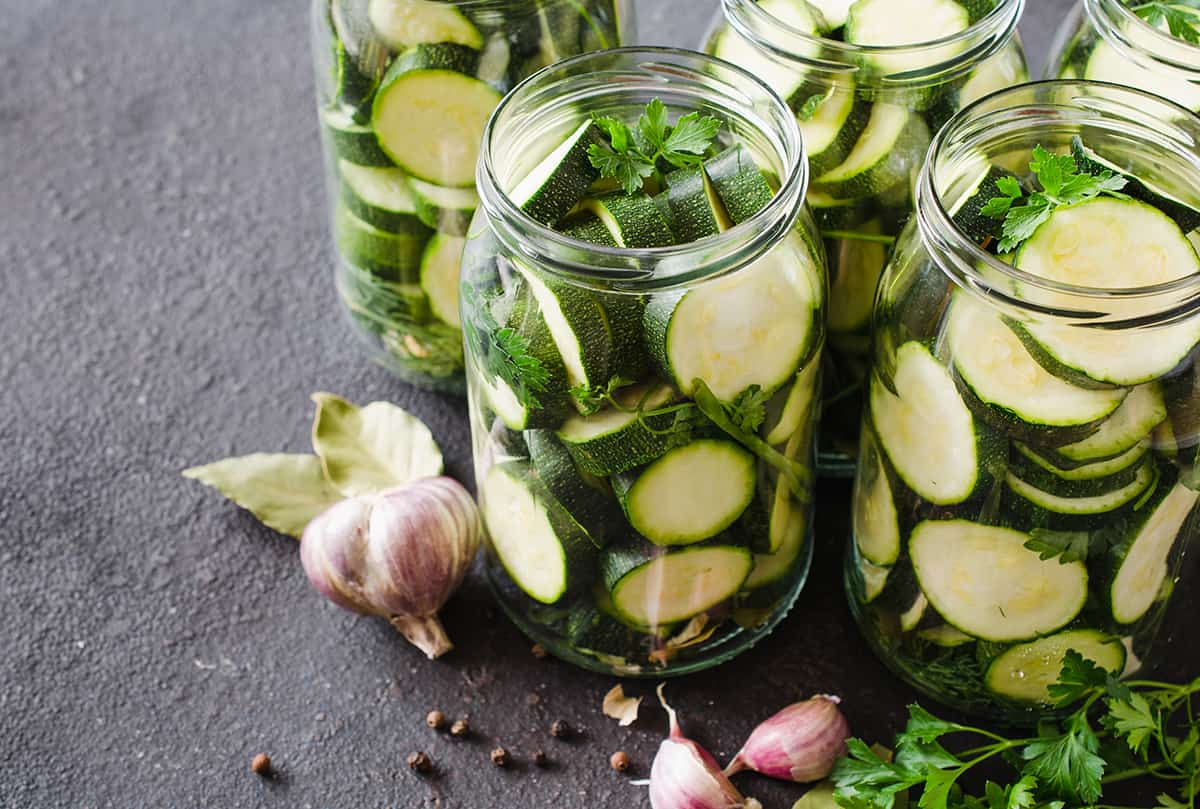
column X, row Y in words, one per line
column 505, row 352
column 1117, row 731
column 1181, row 16
column 1062, row 183
column 631, row 156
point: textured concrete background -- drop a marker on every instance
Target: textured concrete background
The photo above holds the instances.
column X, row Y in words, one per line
column 169, row 302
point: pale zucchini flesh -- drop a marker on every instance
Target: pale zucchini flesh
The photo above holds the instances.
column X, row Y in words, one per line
column 1144, row 567
column 1024, row 673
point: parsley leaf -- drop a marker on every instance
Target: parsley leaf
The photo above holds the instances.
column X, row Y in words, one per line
column 749, row 409
column 690, row 138
column 504, row 352
column 925, row 727
column 653, row 125
column 1068, row 546
column 1181, row 16
column 1134, row 719
column 590, row 400
column 628, row 168
column 1079, row 679
column 1067, row 766
column 632, row 156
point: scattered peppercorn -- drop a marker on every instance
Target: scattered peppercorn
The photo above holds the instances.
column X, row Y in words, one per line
column 500, row 757
column 619, row 761
column 561, row 730
column 540, row 759
column 538, row 651
column 435, row 720
column 419, row 762
column 261, row 764
column 460, row 729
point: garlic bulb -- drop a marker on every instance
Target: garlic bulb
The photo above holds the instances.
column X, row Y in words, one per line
column 685, row 776
column 800, row 743
column 399, row 554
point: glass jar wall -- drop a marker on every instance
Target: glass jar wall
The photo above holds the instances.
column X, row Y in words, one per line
column 643, row 419
column 867, row 112
column 404, row 90
column 1109, row 41
column 1027, row 482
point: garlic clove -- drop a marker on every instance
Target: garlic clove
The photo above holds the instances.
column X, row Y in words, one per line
column 685, row 776
column 332, row 548
column 800, row 743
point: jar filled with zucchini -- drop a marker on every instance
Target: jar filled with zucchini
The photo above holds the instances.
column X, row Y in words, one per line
column 1028, row 481
column 643, row 309
column 404, row 90
column 1151, row 46
column 869, row 82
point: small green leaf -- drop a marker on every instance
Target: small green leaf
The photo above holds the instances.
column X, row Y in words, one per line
column 618, row 133
column 1021, row 795
column 925, row 727
column 628, row 168
column 693, row 134
column 1009, row 186
column 1134, row 719
column 1067, row 546
column 653, row 124
column 1067, row 766
column 373, row 448
column 1078, row 679
column 285, row 492
column 808, row 110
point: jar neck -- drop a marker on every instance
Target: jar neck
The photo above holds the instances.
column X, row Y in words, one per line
column 830, row 58
column 1149, row 136
column 1142, row 43
column 542, row 111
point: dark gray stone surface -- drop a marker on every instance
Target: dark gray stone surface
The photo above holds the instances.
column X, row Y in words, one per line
column 169, row 302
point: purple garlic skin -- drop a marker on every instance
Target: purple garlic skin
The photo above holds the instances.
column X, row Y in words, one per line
column 800, row 743
column 685, row 776
column 399, row 555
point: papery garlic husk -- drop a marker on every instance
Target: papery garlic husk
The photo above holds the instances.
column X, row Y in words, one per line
column 685, row 776
column 800, row 743
column 399, row 555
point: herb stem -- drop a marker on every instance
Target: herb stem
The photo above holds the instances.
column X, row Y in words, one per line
column 850, row 235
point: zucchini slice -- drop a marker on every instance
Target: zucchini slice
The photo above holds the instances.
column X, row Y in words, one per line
column 985, row 582
column 691, row 493
column 695, row 207
column 633, row 221
column 353, row 142
column 834, row 126
column 584, row 498
column 876, row 524
column 872, row 580
column 739, row 182
column 1106, row 63
column 928, row 433
column 782, row 76
column 577, row 322
column 405, row 23
column 796, row 406
column 1110, row 244
column 440, row 267
column 833, row 13
column 945, row 636
column 788, row 529
column 1025, row 673
column 381, row 197
column 716, row 331
column 1015, row 390
column 1141, row 562
column 561, row 180
column 543, row 550
column 388, row 256
column 1046, row 461
column 447, row 210
column 890, row 147
column 650, row 587
column 857, row 265
column 616, row 440
column 907, row 22
column 1185, row 216
column 430, row 119
column 1142, row 411
column 1084, row 506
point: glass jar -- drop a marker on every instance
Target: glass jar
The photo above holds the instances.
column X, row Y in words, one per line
column 867, row 114
column 404, row 89
column 1027, row 481
column 1105, row 40
column 570, row 489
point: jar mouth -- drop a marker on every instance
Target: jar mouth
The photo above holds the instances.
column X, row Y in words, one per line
column 1060, row 107
column 982, row 39
column 1142, row 42
column 629, row 78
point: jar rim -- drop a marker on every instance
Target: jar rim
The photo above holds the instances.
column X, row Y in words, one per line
column 984, row 38
column 643, row 267
column 1107, row 17
column 968, row 265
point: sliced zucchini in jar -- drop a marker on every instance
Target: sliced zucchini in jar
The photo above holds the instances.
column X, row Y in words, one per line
column 691, row 493
column 1047, row 461
column 1044, row 480
column 582, row 497
column 447, row 210
column 968, row 214
column 831, row 121
column 589, row 228
column 543, row 550
column 787, row 529
column 388, row 256
column 795, row 407
column 561, row 180
column 405, row 23
column 839, row 214
column 1024, row 673
column 872, row 580
column 907, row 22
column 926, row 430
column 381, row 197
column 440, row 275
column 715, row 332
column 1084, row 506
column 784, row 76
column 353, row 142
column 1141, row 563
column 1109, row 244
column 1013, row 390
column 429, row 116
column 889, row 148
column 1109, row 64
column 633, row 221
column 857, row 265
column 616, row 440
column 739, row 182
column 984, row 581
column 695, row 207
column 1141, row 411
column 577, row 322
column 945, row 636
column 876, row 525
column 650, row 586
column 1187, row 217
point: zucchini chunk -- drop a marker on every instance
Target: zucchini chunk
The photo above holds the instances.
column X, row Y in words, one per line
column 1025, row 673
column 353, row 142
column 388, row 256
column 405, row 23
column 1084, row 506
column 968, row 214
column 616, row 440
column 716, row 331
column 381, row 197
column 1015, row 391
column 907, row 22
column 589, row 228
column 889, row 148
column 739, row 183
column 928, row 433
column 1110, row 244
column 543, row 550
column 561, row 180
column 650, row 587
column 577, row 323
column 447, row 210
column 440, row 267
column 1142, row 411
column 876, row 524
column 1140, row 566
column 633, row 221
column 691, row 493
column 835, row 125
column 784, row 77
column 985, row 582
column 695, row 207
column 582, row 497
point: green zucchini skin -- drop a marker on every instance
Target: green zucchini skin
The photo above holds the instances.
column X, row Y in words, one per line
column 739, row 182
column 353, row 142
column 1186, row 217
column 595, row 512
